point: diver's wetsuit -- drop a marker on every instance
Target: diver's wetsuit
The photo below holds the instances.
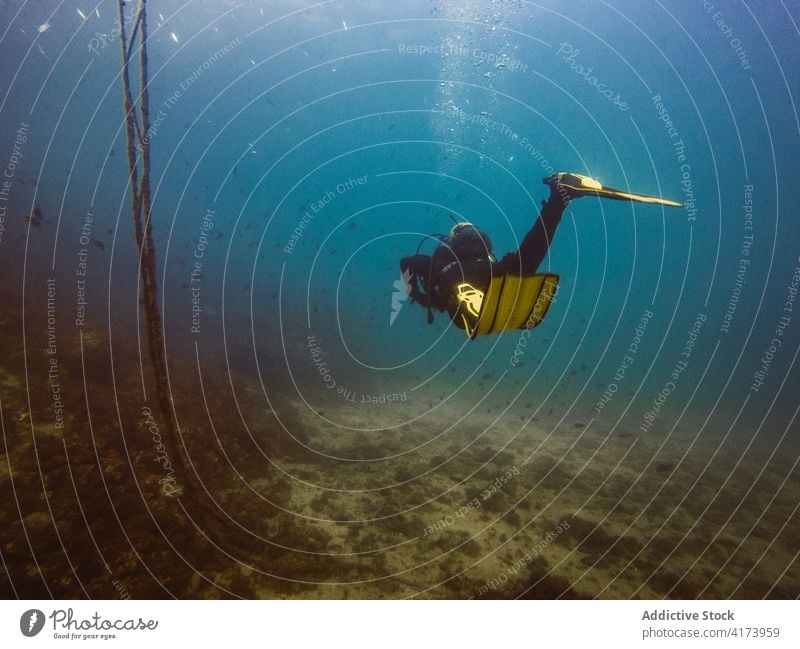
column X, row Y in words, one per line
column 459, row 273
column 433, row 279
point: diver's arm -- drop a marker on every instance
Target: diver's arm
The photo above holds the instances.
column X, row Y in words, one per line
column 417, row 266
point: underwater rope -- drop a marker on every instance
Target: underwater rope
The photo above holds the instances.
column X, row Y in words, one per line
column 141, row 210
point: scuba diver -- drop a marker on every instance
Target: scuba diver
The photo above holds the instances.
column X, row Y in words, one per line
column 484, row 296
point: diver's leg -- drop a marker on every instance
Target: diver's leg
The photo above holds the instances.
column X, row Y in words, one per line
column 533, row 249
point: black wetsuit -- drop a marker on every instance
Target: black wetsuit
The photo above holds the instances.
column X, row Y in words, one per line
column 434, row 279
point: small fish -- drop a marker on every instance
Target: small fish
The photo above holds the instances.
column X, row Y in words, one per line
column 81, row 14
column 35, row 217
column 173, row 36
column 99, row 244
column 344, row 24
column 43, row 28
column 97, row 11
column 160, row 17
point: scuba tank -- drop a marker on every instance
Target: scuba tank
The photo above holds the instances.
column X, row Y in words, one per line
column 468, row 241
column 464, row 243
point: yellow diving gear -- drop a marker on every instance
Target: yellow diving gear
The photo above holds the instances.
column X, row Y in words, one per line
column 578, row 185
column 510, row 302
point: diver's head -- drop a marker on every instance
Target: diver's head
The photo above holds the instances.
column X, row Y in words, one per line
column 469, row 242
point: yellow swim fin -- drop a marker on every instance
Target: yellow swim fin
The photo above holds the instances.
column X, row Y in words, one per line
column 577, row 185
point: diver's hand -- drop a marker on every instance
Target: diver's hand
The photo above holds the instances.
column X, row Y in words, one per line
column 415, row 264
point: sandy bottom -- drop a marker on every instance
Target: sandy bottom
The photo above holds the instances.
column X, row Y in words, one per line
column 385, row 503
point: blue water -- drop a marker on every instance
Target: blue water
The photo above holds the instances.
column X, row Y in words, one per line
column 299, row 151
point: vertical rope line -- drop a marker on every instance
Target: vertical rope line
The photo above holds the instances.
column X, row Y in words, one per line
column 130, row 126
column 141, row 207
